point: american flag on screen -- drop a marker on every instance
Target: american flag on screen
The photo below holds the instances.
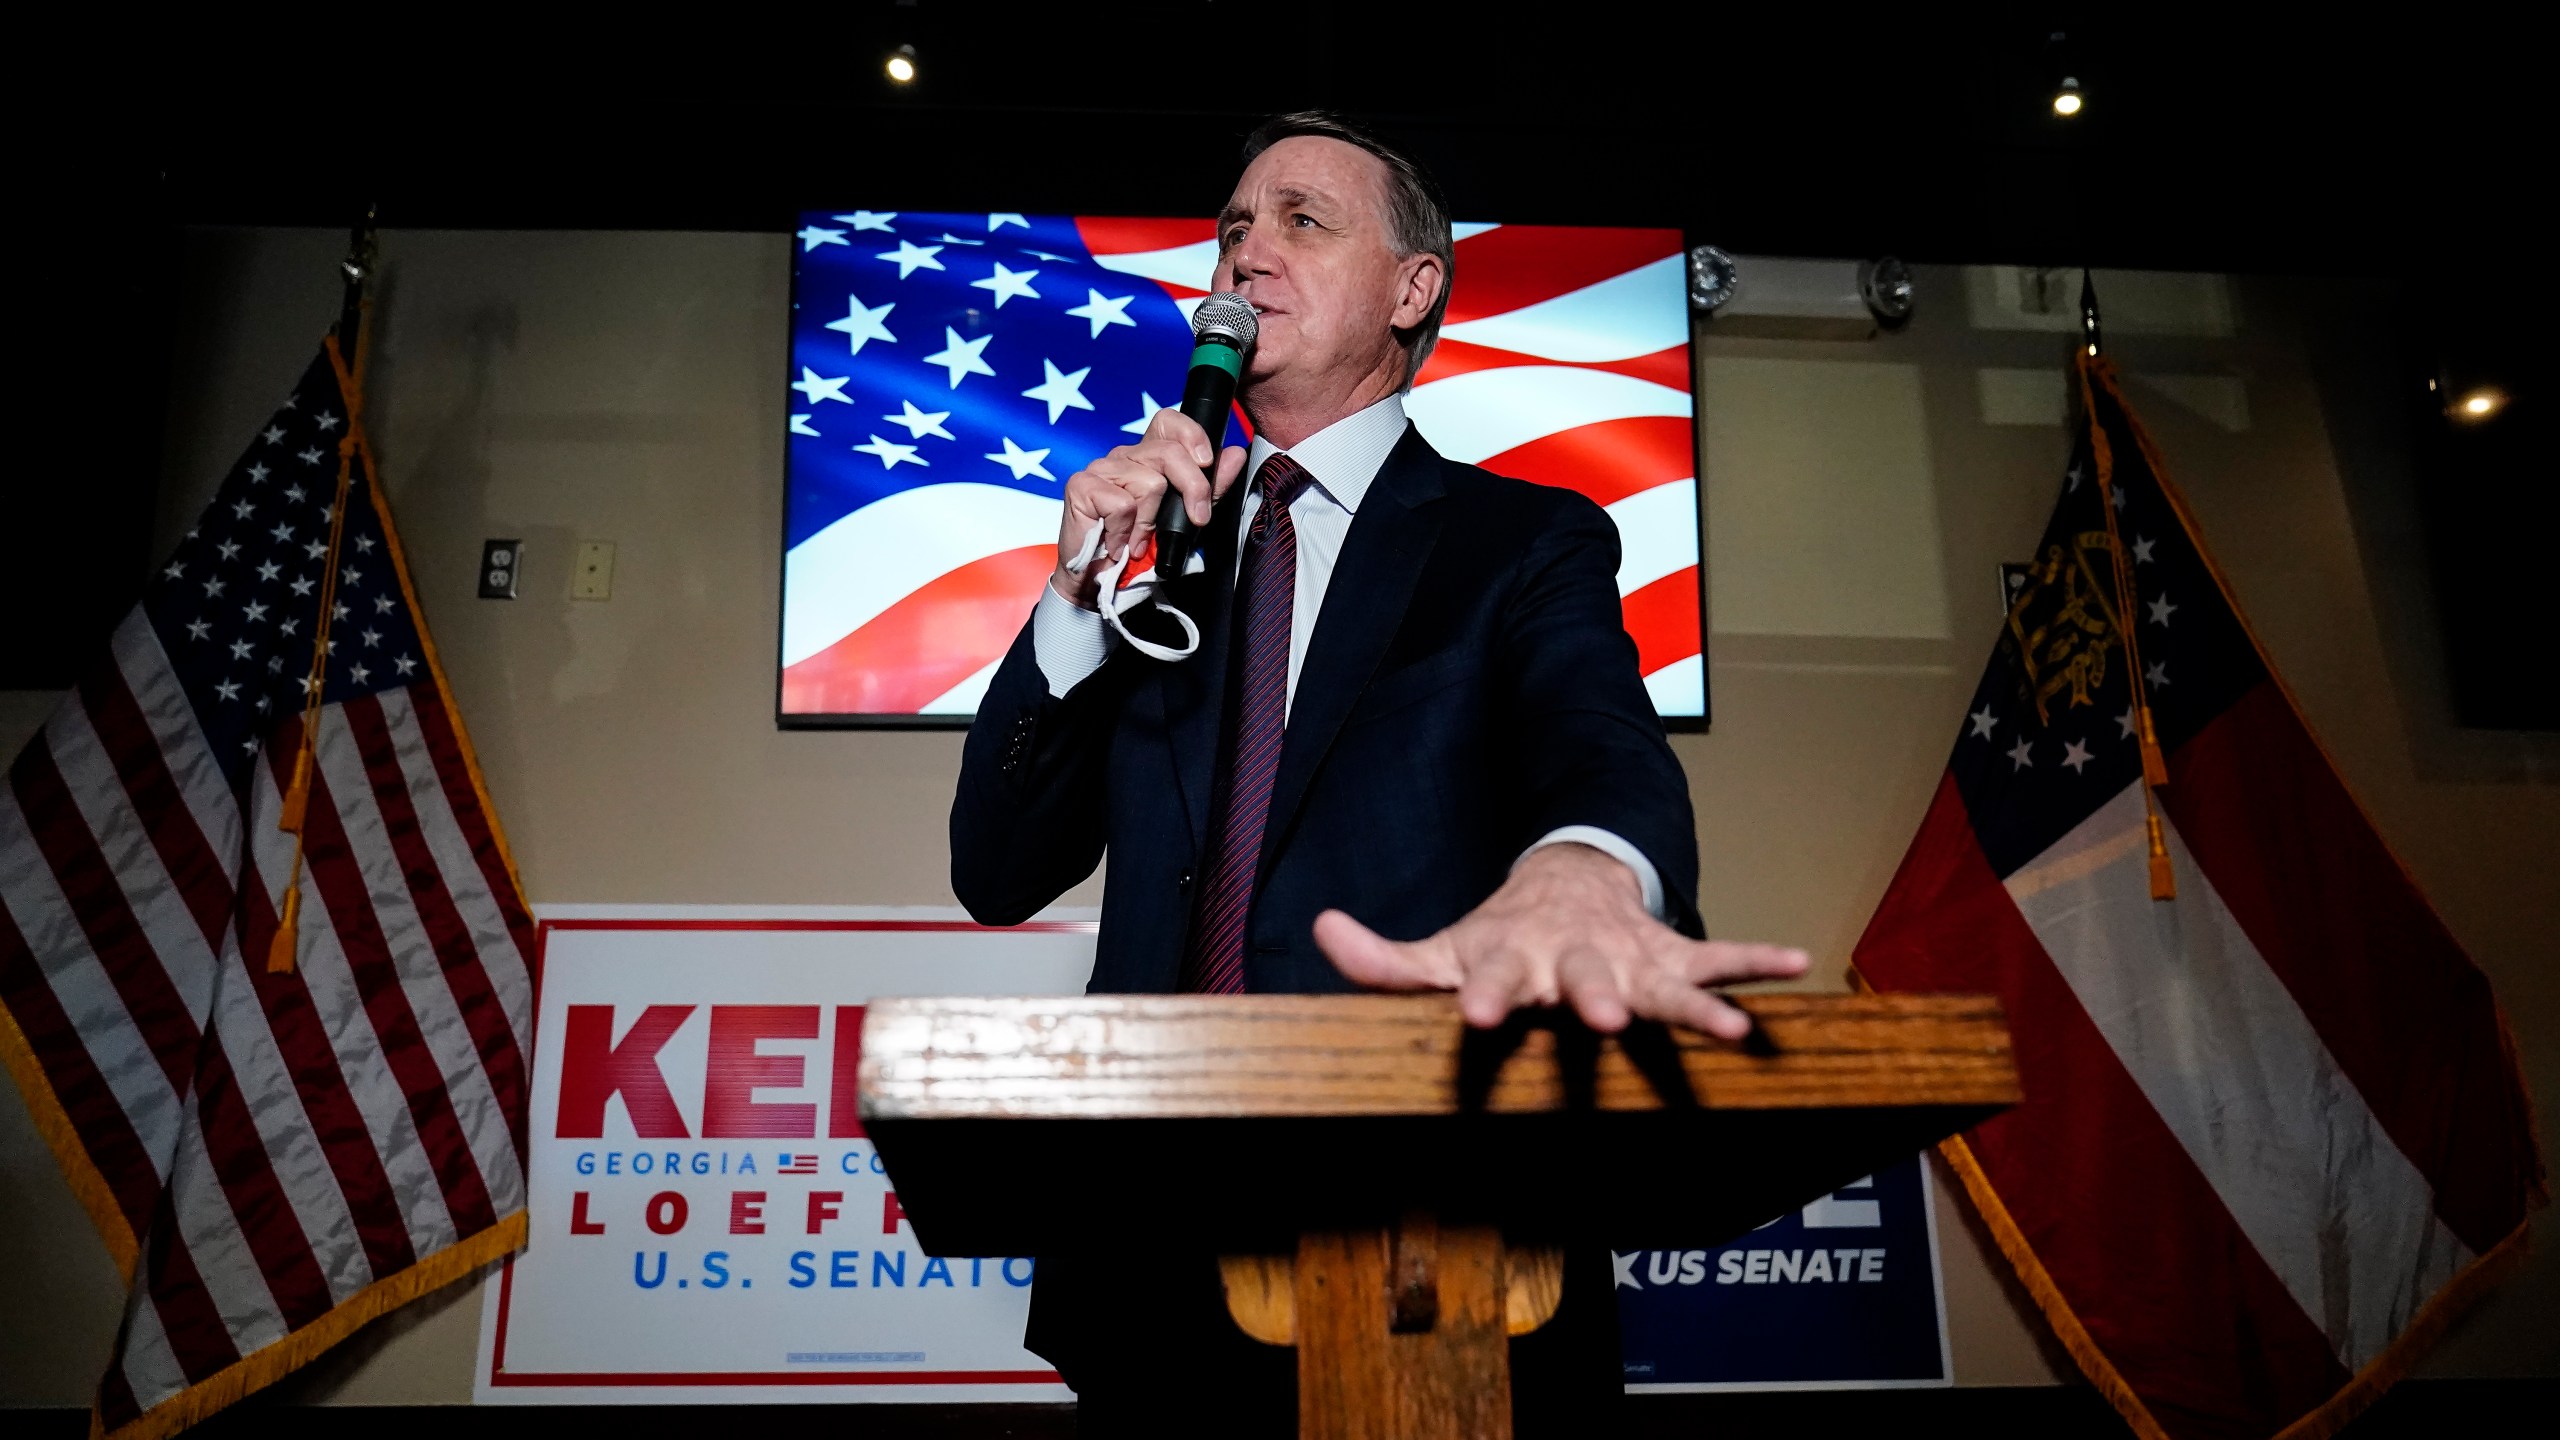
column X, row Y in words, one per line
column 950, row 371
column 273, row 1156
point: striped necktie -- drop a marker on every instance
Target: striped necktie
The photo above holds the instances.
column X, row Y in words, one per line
column 1249, row 740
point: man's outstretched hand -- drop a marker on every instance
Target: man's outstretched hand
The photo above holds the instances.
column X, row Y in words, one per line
column 1569, row 925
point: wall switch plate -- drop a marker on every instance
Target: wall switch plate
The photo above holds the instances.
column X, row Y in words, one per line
column 593, row 577
column 500, row 562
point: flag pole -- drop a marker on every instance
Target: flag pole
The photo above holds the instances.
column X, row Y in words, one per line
column 2155, row 766
column 346, row 349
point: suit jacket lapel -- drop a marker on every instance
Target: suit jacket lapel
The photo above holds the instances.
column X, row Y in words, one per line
column 1195, row 691
column 1372, row 583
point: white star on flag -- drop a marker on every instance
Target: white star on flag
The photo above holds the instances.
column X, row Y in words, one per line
column 1147, row 408
column 2126, row 720
column 813, row 236
column 1104, row 313
column 921, row 423
column 1008, row 284
column 257, row 474
column 947, row 238
column 1045, row 255
column 405, row 664
column 302, row 586
column 891, row 452
column 254, row 611
column 198, row 629
column 2076, row 755
column 910, row 257
column 862, row 324
column 2161, row 610
column 869, row 219
column 818, row 387
column 1020, row 461
column 1061, row 392
column 2157, row 673
column 372, row 638
column 358, row 674
column 961, row 357
column 270, row 570
column 328, row 420
column 230, row 549
column 273, row 433
column 1983, row 720
column 310, row 456
column 2021, row 755
column 2142, row 550
column 228, row 689
column 1001, row 220
column 800, row 426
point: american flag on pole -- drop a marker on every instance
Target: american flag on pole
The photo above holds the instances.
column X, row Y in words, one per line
column 279, row 1140
column 2275, row 1135
column 950, row 371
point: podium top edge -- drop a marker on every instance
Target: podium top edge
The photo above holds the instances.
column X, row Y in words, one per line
column 1311, row 1056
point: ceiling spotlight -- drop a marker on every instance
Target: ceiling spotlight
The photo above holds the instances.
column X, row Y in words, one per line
column 2480, row 404
column 2066, row 101
column 902, row 65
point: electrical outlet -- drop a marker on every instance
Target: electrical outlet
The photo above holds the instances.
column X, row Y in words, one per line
column 501, row 561
column 593, row 577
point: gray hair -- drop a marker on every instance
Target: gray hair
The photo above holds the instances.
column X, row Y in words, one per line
column 1417, row 219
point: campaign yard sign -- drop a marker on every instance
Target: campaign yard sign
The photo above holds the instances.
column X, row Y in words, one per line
column 1841, row 1294
column 708, row 1221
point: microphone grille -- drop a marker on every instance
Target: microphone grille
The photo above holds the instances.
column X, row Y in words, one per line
column 1228, row 316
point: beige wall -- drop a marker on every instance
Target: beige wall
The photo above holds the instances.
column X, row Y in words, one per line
column 625, row 387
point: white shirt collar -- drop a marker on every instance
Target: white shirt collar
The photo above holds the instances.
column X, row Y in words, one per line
column 1344, row 457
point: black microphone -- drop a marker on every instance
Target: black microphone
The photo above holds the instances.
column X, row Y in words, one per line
column 1222, row 330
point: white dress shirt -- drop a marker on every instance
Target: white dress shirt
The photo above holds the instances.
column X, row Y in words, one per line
column 1342, row 461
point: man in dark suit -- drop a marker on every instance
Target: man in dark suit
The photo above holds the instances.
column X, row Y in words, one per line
column 1413, row 750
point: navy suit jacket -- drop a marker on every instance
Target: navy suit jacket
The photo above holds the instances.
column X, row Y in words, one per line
column 1469, row 687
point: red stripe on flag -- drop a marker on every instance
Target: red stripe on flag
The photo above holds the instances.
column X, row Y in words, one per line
column 258, row 1202
column 199, row 874
column 198, row 1339
column 936, row 636
column 96, row 1116
column 1514, row 265
column 303, row 1042
column 2407, row 1015
column 444, row 746
column 1607, row 460
column 331, row 862
column 116, row 1406
column 482, row 1013
column 1667, row 367
column 1662, row 618
column 150, row 998
column 1128, row 235
column 2129, row 1229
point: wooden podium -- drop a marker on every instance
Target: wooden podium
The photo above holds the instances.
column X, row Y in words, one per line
column 1389, row 1188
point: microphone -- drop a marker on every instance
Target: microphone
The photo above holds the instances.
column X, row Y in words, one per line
column 1222, row 330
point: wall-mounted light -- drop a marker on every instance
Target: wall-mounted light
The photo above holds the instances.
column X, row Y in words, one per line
column 2067, row 100
column 902, row 65
column 2479, row 404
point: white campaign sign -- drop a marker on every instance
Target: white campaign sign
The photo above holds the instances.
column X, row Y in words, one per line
column 708, row 1222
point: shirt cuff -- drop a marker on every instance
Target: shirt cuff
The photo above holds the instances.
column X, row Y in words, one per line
column 1069, row 641
column 1616, row 848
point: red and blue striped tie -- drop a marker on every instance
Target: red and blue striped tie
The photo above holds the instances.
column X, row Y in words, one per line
column 1257, row 714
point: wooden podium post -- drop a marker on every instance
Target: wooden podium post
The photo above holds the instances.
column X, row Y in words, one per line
column 1390, row 1188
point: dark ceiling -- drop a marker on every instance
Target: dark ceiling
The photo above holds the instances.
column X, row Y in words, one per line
column 2205, row 144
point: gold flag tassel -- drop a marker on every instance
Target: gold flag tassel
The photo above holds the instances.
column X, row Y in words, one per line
column 2155, row 765
column 285, row 947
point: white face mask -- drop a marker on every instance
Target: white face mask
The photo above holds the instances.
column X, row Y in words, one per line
column 1117, row 599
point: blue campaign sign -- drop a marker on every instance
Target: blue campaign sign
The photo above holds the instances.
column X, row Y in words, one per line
column 1842, row 1294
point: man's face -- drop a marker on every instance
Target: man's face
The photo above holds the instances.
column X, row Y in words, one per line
column 1305, row 239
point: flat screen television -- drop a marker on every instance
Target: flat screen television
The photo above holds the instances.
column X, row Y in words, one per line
column 949, row 372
